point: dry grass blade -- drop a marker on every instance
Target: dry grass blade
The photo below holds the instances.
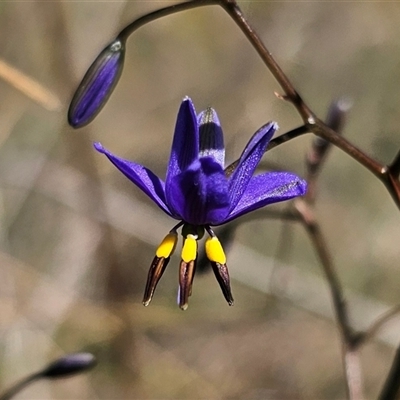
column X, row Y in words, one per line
column 29, row 87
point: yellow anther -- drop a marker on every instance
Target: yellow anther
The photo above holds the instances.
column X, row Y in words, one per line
column 167, row 246
column 214, row 250
column 189, row 249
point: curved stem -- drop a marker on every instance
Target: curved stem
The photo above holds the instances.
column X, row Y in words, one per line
column 376, row 326
column 294, row 133
column 162, row 12
column 353, row 372
column 315, row 125
column 395, row 165
column 339, row 302
column 391, row 388
column 232, row 8
column 320, row 129
column 11, row 392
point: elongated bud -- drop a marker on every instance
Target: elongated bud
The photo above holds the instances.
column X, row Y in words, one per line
column 97, row 85
column 70, row 364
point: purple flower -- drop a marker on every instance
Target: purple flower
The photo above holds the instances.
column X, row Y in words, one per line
column 198, row 193
column 97, row 85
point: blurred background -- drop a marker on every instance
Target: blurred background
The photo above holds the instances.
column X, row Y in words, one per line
column 77, row 238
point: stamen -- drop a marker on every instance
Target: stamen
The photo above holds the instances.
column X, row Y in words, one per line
column 222, row 275
column 214, row 250
column 156, row 271
column 167, row 246
column 189, row 249
column 215, row 253
column 160, row 262
column 186, row 274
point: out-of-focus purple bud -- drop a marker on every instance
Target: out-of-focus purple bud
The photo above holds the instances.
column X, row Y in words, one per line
column 74, row 363
column 97, row 85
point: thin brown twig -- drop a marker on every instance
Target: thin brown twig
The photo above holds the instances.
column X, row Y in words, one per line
column 320, row 148
column 314, row 124
column 362, row 337
column 395, row 165
column 391, row 387
column 294, row 133
column 232, row 8
column 353, row 373
column 162, row 12
column 313, row 229
column 350, row 356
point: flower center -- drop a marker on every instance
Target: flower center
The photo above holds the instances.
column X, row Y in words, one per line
column 194, row 230
column 187, row 267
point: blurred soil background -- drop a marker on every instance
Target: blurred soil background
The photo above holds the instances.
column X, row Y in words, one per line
column 77, row 238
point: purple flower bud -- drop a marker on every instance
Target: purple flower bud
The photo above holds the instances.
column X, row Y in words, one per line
column 74, row 363
column 97, row 85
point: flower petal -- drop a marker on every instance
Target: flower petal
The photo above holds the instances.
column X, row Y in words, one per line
column 211, row 136
column 199, row 195
column 268, row 188
column 185, row 145
column 248, row 162
column 142, row 177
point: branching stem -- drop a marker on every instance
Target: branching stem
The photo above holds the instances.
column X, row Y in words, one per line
column 314, row 124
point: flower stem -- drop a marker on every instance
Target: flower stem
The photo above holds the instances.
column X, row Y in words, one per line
column 162, row 12
column 314, row 124
column 19, row 386
column 234, row 11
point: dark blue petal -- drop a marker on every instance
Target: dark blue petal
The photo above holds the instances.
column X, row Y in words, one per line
column 268, row 188
column 199, row 195
column 185, row 145
column 97, row 85
column 211, row 136
column 248, row 162
column 142, row 177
